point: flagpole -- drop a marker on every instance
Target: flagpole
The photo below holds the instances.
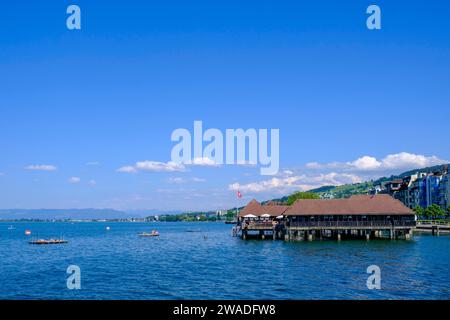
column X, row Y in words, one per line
column 239, row 196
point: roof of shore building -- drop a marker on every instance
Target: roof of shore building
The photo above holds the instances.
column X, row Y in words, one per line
column 382, row 204
column 255, row 208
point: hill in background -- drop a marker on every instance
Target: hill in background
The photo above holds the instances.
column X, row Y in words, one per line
column 347, row 190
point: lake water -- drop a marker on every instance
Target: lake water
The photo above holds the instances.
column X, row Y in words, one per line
column 117, row 264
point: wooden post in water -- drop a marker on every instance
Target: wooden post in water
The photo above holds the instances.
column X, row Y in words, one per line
column 288, row 236
column 435, row 230
column 409, row 234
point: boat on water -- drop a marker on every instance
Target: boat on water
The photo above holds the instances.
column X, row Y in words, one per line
column 11, row 228
column 48, row 241
column 193, row 230
column 154, row 233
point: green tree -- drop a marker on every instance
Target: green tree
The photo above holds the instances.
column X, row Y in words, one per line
column 301, row 195
column 448, row 212
column 231, row 215
column 434, row 211
column 419, row 211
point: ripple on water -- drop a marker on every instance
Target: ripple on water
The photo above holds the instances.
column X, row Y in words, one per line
column 183, row 265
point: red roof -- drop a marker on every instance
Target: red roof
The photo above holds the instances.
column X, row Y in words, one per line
column 395, row 181
column 381, row 204
column 256, row 209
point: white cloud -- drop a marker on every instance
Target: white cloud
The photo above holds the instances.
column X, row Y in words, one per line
column 335, row 178
column 93, row 163
column 170, row 166
column 152, row 166
column 92, row 183
column 315, row 174
column 288, row 172
column 74, row 180
column 300, row 182
column 285, row 173
column 127, row 169
column 159, row 166
column 264, row 186
column 402, row 160
column 406, row 160
column 178, row 180
column 204, row 162
column 366, row 163
column 41, row 167
column 314, row 165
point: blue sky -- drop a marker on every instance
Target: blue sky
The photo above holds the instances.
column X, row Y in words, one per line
column 350, row 103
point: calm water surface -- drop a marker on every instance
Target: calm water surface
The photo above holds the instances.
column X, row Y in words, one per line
column 117, row 264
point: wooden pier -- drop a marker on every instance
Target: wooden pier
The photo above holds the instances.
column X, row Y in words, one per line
column 361, row 217
column 434, row 227
column 336, row 230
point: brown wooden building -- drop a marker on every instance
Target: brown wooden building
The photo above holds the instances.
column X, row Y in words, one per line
column 361, row 216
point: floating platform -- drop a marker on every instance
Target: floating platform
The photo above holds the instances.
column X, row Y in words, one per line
column 48, row 241
column 148, row 235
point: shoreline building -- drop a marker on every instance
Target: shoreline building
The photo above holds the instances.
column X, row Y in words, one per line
column 361, row 216
column 421, row 189
column 444, row 192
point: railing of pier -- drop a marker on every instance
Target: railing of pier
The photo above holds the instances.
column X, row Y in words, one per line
column 433, row 223
column 267, row 225
column 350, row 224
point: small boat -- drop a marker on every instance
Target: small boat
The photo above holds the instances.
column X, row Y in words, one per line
column 28, row 232
column 11, row 228
column 154, row 233
column 48, row 241
column 193, row 230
